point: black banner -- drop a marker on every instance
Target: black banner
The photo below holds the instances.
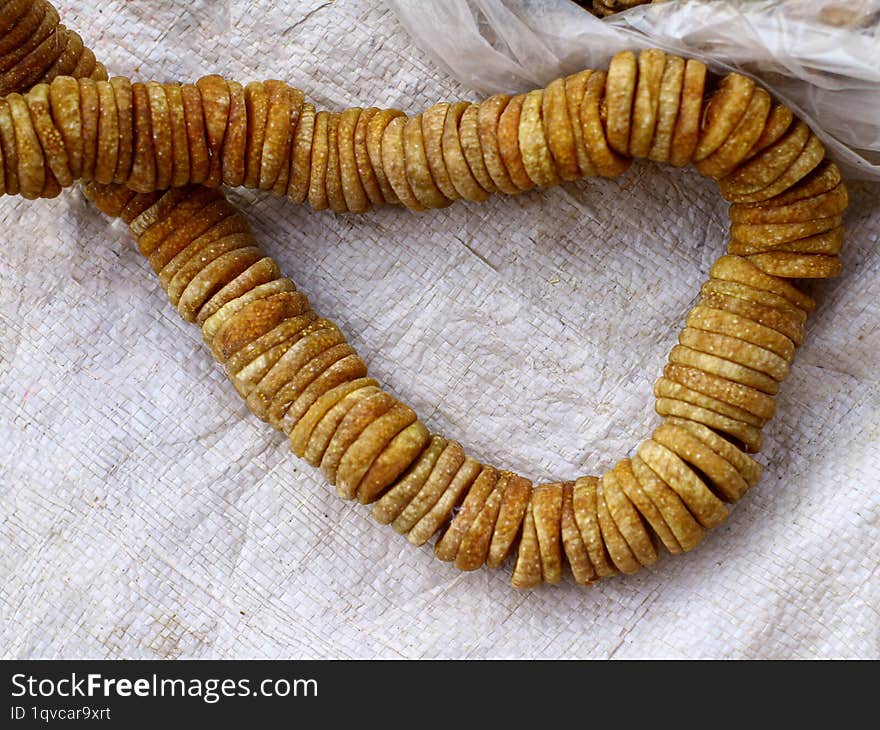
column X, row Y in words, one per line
column 133, row 693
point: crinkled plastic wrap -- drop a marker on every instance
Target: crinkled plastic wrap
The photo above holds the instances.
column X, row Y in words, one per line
column 147, row 515
column 822, row 57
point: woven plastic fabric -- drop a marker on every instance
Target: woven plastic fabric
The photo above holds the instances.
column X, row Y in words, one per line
column 145, row 513
column 821, row 57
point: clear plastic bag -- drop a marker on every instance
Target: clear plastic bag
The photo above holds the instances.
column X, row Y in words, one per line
column 822, row 57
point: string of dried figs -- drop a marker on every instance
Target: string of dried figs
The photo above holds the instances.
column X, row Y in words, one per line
column 604, row 8
column 296, row 371
column 151, row 136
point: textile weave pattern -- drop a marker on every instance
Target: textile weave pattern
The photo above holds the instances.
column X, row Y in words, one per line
column 148, row 515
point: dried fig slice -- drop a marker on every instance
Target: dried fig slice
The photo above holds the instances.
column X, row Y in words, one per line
column 572, row 542
column 66, row 115
column 536, row 156
column 335, row 195
column 392, row 462
column 325, row 429
column 31, row 166
column 606, row 162
column 641, row 501
column 643, row 124
column 484, row 484
column 294, row 399
column 474, row 547
column 471, row 146
column 180, row 168
column 684, row 528
column 235, row 139
column 395, row 500
column 726, row 107
column 749, row 469
column 737, row 269
column 318, row 163
column 215, row 98
column 682, row 355
column 587, row 519
column 546, row 506
column 628, row 521
column 527, row 570
column 509, row 144
column 796, row 265
column 559, row 130
column 705, row 506
column 780, row 320
column 299, row 174
column 448, row 463
column 618, row 548
column 356, row 199
column 575, row 87
column 433, row 126
column 457, row 167
column 515, row 499
column 418, row 172
column 741, row 140
column 723, row 322
column 49, row 136
column 379, row 121
column 281, row 117
column 438, row 515
column 728, row 482
column 143, row 168
column 160, row 128
column 488, row 120
column 620, row 89
column 394, row 163
column 365, row 171
column 686, row 131
column 301, row 433
column 749, row 436
column 668, row 103
column 360, row 455
column 261, row 272
column 196, row 133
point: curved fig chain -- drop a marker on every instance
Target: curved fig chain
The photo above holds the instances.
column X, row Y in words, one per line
column 155, row 154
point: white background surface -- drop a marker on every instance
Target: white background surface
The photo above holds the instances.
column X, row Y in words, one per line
column 145, row 513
